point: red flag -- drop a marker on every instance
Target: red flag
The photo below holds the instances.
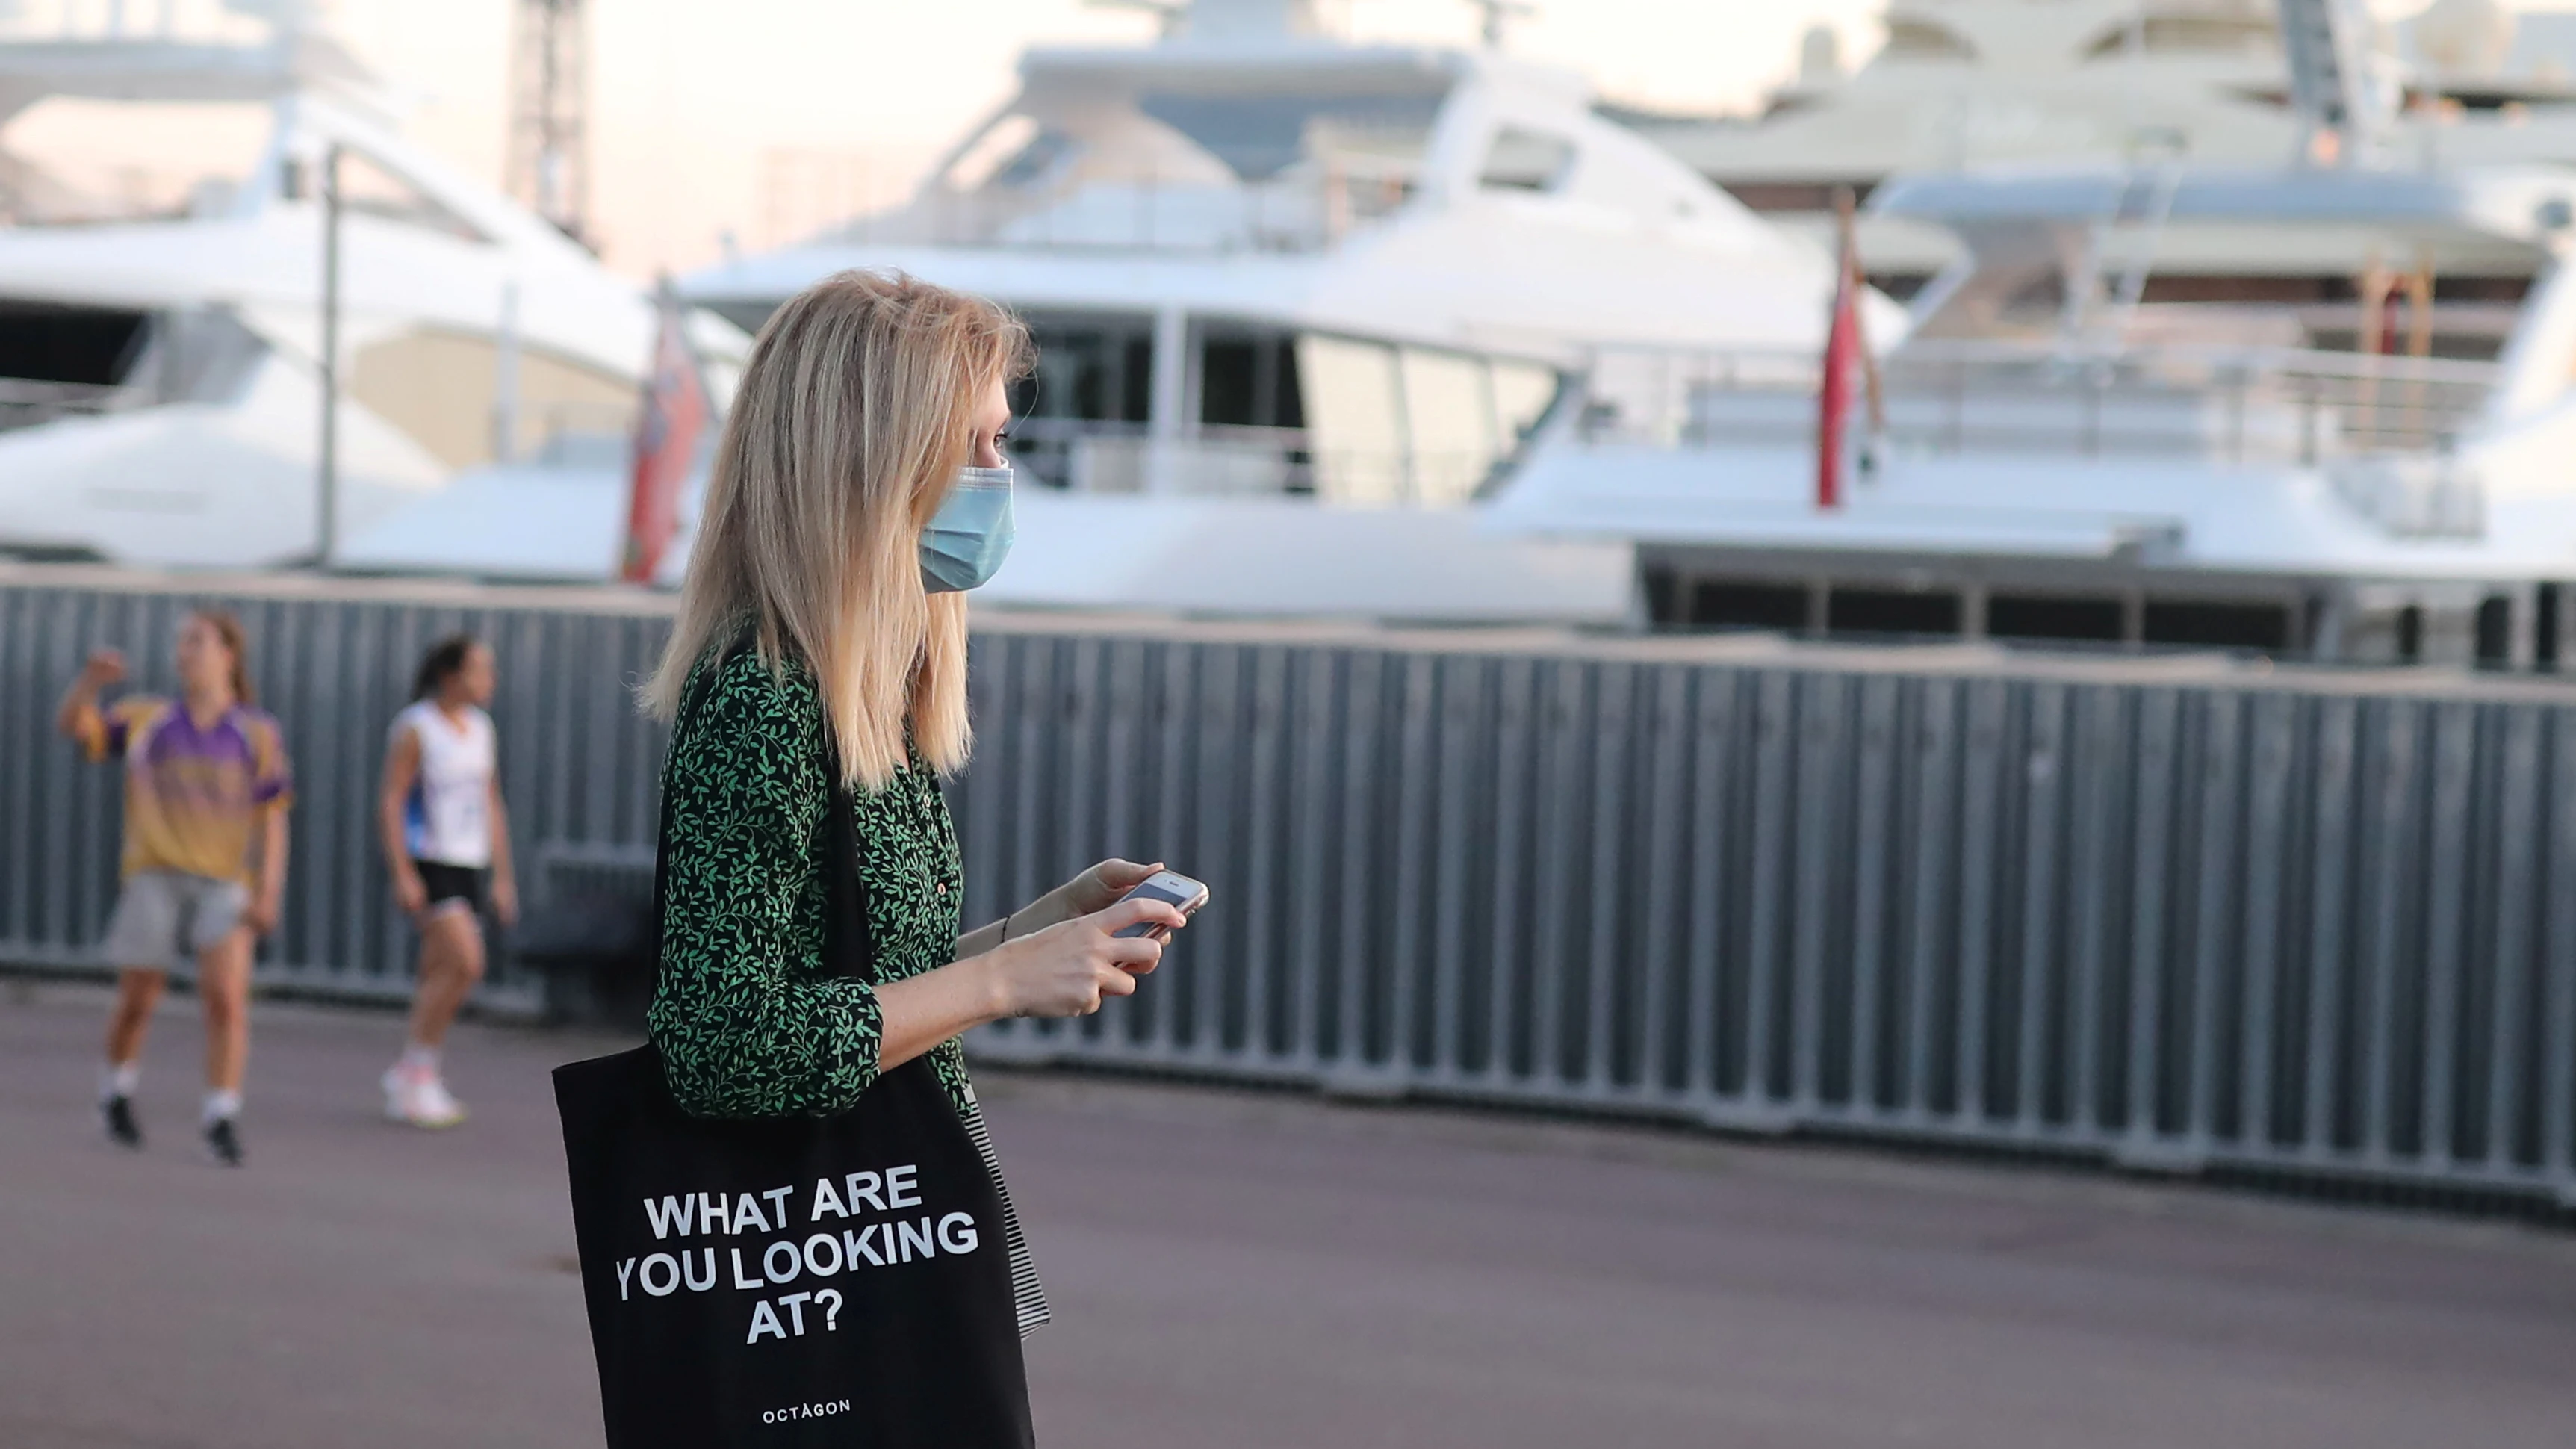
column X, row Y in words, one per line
column 1842, row 348
column 667, row 426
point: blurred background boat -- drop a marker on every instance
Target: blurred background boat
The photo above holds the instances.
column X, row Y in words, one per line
column 160, row 396
column 1301, row 302
column 1968, row 85
column 1434, row 332
column 2313, row 402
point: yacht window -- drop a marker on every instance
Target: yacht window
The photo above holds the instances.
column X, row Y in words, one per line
column 749, row 316
column 2201, row 34
column 1260, row 136
column 1039, row 160
column 1922, row 39
column 2218, row 625
column 2052, row 616
column 198, row 355
column 1891, row 611
column 1449, row 409
column 88, row 346
column 1523, row 392
column 1250, row 382
column 989, row 155
column 1092, row 387
column 1737, row 605
column 1523, row 160
column 1089, row 371
column 1795, row 195
column 1413, row 424
column 1355, row 418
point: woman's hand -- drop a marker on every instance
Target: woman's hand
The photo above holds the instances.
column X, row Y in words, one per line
column 77, row 716
column 409, row 894
column 1068, row 968
column 1099, row 888
column 1093, row 891
column 261, row 914
column 505, row 899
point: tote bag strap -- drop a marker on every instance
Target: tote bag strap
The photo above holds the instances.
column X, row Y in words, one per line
column 849, row 944
column 849, row 939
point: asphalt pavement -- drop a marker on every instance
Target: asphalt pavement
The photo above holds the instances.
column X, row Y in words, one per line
column 1242, row 1271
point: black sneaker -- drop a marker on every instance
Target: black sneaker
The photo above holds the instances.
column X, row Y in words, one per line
column 122, row 1129
column 224, row 1141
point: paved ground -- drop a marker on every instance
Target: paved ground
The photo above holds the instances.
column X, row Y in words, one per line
column 1242, row 1272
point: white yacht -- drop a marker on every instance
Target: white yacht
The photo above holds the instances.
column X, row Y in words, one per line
column 1969, row 84
column 160, row 397
column 2070, row 453
column 1300, row 302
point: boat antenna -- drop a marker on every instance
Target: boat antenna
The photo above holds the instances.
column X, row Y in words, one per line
column 1499, row 14
column 549, row 156
column 1167, row 13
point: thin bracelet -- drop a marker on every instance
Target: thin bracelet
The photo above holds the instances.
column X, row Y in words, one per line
column 1006, row 927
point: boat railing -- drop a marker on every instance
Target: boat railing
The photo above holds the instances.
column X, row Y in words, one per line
column 1291, row 214
column 198, row 22
column 1945, row 397
column 1220, row 461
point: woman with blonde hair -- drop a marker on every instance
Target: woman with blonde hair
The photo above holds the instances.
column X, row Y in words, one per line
column 816, row 674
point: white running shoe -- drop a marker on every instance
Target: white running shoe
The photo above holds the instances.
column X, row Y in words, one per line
column 420, row 1099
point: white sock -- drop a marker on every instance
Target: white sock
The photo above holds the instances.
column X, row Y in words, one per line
column 421, row 1059
column 119, row 1079
column 220, row 1105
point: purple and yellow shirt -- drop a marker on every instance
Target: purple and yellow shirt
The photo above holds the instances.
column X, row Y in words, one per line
column 192, row 796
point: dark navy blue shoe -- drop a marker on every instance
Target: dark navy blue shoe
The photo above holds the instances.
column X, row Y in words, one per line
column 122, row 1129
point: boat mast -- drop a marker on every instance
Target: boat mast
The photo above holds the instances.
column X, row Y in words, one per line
column 549, row 165
column 1499, row 14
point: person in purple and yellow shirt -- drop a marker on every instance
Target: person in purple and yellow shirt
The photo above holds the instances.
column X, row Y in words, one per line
column 206, row 791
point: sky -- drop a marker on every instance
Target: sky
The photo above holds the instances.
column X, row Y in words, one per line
column 749, row 117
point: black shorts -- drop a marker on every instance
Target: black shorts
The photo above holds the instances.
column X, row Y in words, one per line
column 464, row 885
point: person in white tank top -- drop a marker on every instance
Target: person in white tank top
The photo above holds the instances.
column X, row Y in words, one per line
column 447, row 815
column 447, row 844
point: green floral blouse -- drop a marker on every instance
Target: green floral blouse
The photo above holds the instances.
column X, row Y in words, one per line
column 747, row 1021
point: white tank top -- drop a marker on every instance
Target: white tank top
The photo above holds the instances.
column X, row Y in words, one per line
column 448, row 816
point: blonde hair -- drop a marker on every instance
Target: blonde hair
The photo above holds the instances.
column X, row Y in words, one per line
column 854, row 414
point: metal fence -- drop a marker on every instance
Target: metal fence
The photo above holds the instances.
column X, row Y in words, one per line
column 2310, row 923
column 334, row 663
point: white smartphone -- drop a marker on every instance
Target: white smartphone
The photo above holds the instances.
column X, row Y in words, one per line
column 1166, row 885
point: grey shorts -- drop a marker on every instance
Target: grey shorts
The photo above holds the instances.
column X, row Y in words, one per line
column 164, row 918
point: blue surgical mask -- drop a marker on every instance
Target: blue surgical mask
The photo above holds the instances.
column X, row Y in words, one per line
column 970, row 535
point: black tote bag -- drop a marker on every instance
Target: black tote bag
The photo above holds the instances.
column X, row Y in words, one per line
column 839, row 1280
